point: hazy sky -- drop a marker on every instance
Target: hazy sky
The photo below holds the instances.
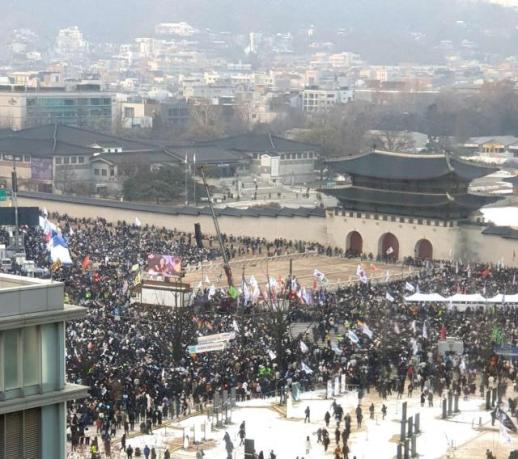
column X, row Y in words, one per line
column 506, row 2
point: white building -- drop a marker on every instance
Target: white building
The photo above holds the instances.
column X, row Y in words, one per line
column 316, row 99
column 181, row 29
column 70, row 41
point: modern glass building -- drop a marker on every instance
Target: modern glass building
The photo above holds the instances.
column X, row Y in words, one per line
column 84, row 107
column 33, row 390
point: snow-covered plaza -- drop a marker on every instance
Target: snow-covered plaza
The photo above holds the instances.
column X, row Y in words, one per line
column 464, row 435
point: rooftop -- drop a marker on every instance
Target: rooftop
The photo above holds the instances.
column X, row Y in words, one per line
column 408, row 166
column 27, row 295
column 56, row 139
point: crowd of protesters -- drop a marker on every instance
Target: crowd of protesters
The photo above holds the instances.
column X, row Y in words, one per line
column 134, row 359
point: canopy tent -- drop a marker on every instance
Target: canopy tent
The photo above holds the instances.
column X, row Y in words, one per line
column 460, row 298
column 425, row 298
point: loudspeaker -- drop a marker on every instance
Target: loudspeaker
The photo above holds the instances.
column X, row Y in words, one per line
column 249, row 448
column 198, row 236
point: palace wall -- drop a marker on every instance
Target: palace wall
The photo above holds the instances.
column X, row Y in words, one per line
column 465, row 242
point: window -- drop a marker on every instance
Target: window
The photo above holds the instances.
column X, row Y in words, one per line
column 81, row 159
column 385, row 218
column 66, row 160
column 20, row 434
column 419, row 221
column 96, row 171
column 358, row 215
column 104, row 172
column 73, row 159
column 11, row 351
column 27, row 158
column 129, row 112
column 392, row 219
column 112, row 171
column 31, row 353
column 58, row 160
column 52, row 361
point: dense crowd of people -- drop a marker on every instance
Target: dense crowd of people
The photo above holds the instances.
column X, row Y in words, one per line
column 134, row 357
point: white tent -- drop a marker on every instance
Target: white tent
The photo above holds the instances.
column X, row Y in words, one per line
column 425, row 298
column 464, row 298
column 475, row 298
column 500, row 298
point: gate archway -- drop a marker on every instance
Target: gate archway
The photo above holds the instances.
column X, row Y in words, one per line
column 388, row 247
column 354, row 244
column 424, row 249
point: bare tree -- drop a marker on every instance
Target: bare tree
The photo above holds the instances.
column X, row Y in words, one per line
column 392, row 140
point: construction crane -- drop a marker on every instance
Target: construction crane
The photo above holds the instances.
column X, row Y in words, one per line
column 226, row 265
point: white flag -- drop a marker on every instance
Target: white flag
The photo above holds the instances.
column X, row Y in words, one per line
column 396, row 328
column 367, row 331
column 272, row 283
column 425, row 331
column 409, row 287
column 306, row 369
column 272, row 354
column 138, row 222
column 246, row 292
column 198, row 287
column 235, row 326
column 212, row 291
column 390, row 250
column 389, row 297
column 362, row 275
column 387, row 276
column 303, row 347
column 320, row 276
column 413, row 343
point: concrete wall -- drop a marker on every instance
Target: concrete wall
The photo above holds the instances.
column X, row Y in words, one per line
column 464, row 242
